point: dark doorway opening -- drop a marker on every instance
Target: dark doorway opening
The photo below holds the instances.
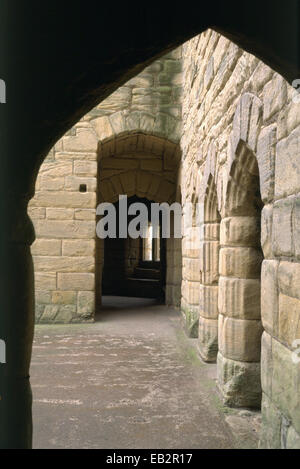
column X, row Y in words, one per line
column 135, row 267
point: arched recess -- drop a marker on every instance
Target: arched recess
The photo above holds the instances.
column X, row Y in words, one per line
column 209, row 264
column 145, row 166
column 240, row 327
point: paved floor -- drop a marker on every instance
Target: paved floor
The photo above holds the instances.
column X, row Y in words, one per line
column 131, row 380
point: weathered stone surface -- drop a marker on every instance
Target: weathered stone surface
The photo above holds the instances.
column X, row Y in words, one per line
column 46, row 247
column 266, row 364
column 66, row 229
column 86, row 302
column 58, row 314
column 240, row 262
column 64, row 297
column 208, row 302
column 239, row 383
column 75, row 281
column 80, row 247
column 60, row 213
column 45, row 280
column 266, row 149
column 209, row 262
column 190, row 320
column 85, row 168
column 289, row 279
column 64, row 264
column 240, row 231
column 266, row 231
column 282, row 227
column 293, row 439
column 240, row 340
column 285, row 383
column 84, row 140
column 43, row 297
column 64, row 199
column 269, row 297
column 289, row 319
column 82, row 214
column 239, row 299
column 208, row 339
column 287, row 177
column 36, row 212
column 73, row 183
column 271, row 425
column 275, row 94
column 191, row 269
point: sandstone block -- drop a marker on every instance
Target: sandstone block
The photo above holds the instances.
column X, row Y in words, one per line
column 287, row 177
column 86, row 302
column 49, row 183
column 64, row 297
column 43, row 297
column 66, row 229
column 275, row 94
column 63, row 199
column 282, row 227
column 266, row 231
column 209, row 262
column 240, row 262
column 293, row 439
column 64, row 264
column 85, row 168
column 208, row 302
column 208, row 339
column 239, row 383
column 239, row 298
column 240, row 340
column 73, row 183
column 78, row 247
column 58, row 313
column 269, row 297
column 240, row 231
column 45, row 281
column 46, row 247
column 266, row 149
column 285, row 380
column 60, row 213
column 289, row 279
column 76, row 281
column 270, row 437
column 289, row 319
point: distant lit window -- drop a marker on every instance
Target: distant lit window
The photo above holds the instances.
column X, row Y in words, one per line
column 151, row 245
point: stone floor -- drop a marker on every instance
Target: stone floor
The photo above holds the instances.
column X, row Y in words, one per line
column 131, row 380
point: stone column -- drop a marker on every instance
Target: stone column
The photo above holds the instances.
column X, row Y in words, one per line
column 16, row 324
column 240, row 328
column 208, row 298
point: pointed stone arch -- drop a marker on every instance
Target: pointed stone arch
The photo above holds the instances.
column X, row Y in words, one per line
column 209, row 266
column 240, row 327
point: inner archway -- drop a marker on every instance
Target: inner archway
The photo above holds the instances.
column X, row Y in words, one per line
column 208, row 310
column 240, row 327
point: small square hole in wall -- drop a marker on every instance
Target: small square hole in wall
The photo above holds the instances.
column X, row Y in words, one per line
column 82, row 188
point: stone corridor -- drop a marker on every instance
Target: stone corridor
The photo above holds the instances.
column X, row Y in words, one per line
column 131, row 380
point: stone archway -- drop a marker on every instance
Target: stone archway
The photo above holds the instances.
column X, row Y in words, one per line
column 240, row 327
column 208, row 307
column 145, row 166
column 45, row 104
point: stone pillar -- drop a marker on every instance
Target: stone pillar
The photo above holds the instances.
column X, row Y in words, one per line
column 208, row 298
column 240, row 327
column 16, row 324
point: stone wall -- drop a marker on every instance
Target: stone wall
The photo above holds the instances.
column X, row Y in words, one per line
column 240, row 149
column 236, row 269
column 126, row 145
